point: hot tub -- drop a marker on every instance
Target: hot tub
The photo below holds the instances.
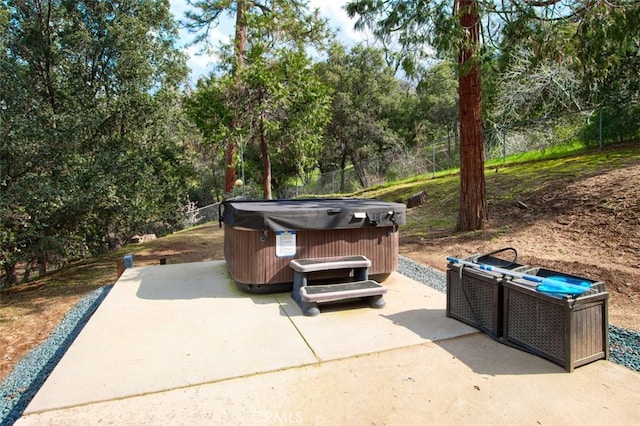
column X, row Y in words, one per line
column 262, row 237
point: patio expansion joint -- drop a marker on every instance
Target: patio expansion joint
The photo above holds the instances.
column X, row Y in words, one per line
column 304, row 339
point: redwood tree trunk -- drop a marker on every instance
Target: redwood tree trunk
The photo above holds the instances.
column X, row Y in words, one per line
column 473, row 194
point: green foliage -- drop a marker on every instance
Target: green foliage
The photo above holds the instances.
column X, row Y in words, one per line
column 272, row 103
column 418, row 30
column 617, row 124
column 284, row 17
column 366, row 109
column 285, row 105
column 591, row 46
column 92, row 127
column 209, row 108
column 608, row 48
column 438, row 109
column 607, row 37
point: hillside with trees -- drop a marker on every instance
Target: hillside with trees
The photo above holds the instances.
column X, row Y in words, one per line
column 103, row 137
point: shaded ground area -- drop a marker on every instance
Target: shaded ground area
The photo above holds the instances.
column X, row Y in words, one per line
column 588, row 225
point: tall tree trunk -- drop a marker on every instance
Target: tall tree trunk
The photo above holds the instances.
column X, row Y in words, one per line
column 27, row 271
column 473, row 194
column 42, row 264
column 229, row 161
column 240, row 39
column 266, row 163
column 240, row 42
column 11, row 274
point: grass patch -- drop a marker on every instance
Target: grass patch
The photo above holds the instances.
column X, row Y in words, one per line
column 520, row 176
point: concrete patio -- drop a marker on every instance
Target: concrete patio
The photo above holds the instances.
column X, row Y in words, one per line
column 179, row 344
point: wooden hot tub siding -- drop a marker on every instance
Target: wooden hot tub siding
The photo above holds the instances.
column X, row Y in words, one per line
column 252, row 261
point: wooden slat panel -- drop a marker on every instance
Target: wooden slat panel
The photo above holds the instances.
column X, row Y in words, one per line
column 587, row 337
column 252, row 260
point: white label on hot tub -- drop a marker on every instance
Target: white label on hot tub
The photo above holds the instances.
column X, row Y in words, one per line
column 359, row 215
column 285, row 243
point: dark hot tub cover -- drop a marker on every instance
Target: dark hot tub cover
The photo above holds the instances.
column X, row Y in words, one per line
column 322, row 213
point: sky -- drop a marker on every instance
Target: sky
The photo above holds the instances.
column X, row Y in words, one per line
column 202, row 64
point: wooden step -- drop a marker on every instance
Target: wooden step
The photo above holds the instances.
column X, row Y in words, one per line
column 341, row 291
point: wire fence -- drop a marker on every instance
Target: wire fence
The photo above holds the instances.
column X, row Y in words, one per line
column 197, row 216
column 595, row 127
column 500, row 142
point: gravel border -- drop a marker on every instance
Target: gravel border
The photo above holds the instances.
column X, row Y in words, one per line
column 423, row 274
column 29, row 374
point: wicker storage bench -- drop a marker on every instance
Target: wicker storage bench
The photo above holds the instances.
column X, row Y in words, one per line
column 475, row 297
column 568, row 331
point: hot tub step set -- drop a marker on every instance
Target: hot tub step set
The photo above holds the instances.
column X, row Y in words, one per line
column 558, row 316
column 308, row 296
column 320, row 250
